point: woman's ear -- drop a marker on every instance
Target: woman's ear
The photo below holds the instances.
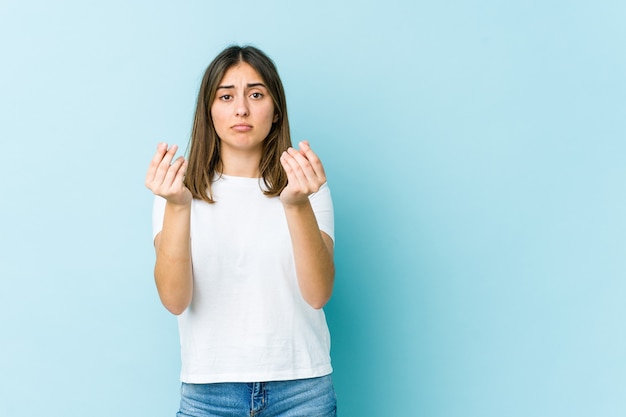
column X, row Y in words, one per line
column 275, row 117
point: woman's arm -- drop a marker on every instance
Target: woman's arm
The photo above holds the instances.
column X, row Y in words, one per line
column 172, row 271
column 312, row 248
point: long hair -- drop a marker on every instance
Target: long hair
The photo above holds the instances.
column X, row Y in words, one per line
column 204, row 148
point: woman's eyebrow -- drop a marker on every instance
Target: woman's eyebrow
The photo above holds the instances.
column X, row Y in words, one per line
column 251, row 85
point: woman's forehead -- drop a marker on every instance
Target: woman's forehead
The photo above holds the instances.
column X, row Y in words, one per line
column 240, row 74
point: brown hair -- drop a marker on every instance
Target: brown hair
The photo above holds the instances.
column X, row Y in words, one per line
column 204, row 145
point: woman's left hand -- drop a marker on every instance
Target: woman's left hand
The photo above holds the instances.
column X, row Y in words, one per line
column 305, row 174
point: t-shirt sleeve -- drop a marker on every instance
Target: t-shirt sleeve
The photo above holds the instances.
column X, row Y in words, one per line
column 158, row 212
column 322, row 205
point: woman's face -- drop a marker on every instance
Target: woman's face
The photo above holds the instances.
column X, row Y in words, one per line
column 243, row 110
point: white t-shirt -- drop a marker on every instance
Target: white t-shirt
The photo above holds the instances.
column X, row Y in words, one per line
column 247, row 321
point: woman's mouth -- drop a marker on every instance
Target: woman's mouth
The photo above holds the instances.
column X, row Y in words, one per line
column 242, row 127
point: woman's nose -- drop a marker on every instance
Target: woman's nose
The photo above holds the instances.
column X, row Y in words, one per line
column 241, row 107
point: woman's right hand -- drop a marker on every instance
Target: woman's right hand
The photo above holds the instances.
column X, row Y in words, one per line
column 165, row 178
column 172, row 270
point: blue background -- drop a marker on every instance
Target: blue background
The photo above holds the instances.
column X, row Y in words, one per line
column 476, row 153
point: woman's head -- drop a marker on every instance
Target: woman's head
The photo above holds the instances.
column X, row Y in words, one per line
column 205, row 145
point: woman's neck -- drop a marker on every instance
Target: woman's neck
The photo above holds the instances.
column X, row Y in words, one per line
column 241, row 164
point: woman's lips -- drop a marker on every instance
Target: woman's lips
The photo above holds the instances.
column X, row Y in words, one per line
column 242, row 128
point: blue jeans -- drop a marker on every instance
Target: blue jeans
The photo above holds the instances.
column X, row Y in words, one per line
column 313, row 397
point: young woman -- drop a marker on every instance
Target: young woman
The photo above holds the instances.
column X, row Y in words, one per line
column 244, row 234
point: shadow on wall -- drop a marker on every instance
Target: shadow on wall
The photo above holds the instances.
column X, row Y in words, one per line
column 376, row 312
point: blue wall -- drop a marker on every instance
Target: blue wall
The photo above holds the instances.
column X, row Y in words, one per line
column 475, row 151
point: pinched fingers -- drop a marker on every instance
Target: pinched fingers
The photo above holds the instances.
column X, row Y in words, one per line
column 174, row 174
column 165, row 165
column 289, row 165
column 154, row 163
column 313, row 159
column 165, row 178
column 300, row 167
column 305, row 175
column 306, row 165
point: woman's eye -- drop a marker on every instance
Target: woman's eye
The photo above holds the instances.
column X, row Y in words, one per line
column 256, row 95
column 226, row 97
